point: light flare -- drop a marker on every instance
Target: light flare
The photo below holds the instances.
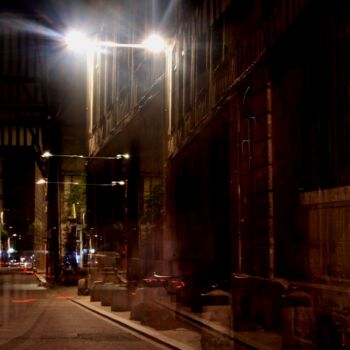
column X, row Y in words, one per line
column 78, row 41
column 23, row 25
column 154, row 43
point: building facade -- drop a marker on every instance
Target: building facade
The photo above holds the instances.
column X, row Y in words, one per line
column 126, row 115
column 33, row 112
column 257, row 161
column 24, row 119
column 242, row 131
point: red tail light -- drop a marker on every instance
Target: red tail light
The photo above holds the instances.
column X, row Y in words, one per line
column 181, row 285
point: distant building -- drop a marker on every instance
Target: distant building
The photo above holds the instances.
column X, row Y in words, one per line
column 36, row 116
column 24, row 120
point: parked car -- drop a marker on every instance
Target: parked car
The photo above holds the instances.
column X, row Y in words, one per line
column 4, row 263
column 26, row 263
column 14, row 263
column 171, row 283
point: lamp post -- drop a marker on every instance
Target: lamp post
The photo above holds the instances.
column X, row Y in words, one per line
column 48, row 154
column 78, row 41
column 110, row 184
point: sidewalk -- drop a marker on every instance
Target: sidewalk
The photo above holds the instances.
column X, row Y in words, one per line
column 257, row 339
column 188, row 330
column 170, row 339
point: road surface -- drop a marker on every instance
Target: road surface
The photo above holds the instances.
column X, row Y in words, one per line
column 36, row 318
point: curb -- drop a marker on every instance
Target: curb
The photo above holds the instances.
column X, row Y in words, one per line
column 259, row 339
column 41, row 279
column 146, row 332
column 229, row 333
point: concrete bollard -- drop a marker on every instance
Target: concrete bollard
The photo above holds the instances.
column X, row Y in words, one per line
column 107, row 293
column 217, row 307
column 109, row 274
column 83, row 287
column 95, row 294
column 120, row 298
column 143, row 295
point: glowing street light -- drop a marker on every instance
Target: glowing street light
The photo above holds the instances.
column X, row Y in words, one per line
column 45, row 181
column 41, row 182
column 121, row 183
column 112, row 183
column 154, row 43
column 48, row 154
column 77, row 41
column 125, row 156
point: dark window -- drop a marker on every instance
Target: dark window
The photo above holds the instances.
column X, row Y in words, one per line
column 217, row 42
column 201, row 54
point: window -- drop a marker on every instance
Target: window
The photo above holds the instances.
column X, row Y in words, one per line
column 217, row 43
column 201, row 54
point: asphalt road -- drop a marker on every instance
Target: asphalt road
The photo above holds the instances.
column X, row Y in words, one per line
column 36, row 318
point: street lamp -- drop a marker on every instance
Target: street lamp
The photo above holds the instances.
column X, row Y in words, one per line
column 121, row 183
column 154, row 43
column 48, row 154
column 112, row 183
column 78, row 41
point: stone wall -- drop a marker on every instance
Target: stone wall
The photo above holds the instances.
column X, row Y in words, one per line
column 316, row 316
column 326, row 223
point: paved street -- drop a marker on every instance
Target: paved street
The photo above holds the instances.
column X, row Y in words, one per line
column 33, row 317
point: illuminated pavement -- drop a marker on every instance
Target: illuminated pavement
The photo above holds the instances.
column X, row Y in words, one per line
column 178, row 334
column 18, row 292
column 33, row 317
